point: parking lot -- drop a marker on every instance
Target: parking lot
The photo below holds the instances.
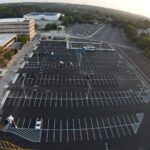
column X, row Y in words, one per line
column 82, row 129
column 81, row 96
column 42, row 99
column 82, row 30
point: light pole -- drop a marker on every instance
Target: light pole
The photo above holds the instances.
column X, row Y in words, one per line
column 61, row 63
column 71, row 63
column 52, row 53
column 89, row 86
column 141, row 89
column 106, row 145
column 80, row 58
column 24, row 77
column 44, row 44
column 120, row 60
column 37, row 54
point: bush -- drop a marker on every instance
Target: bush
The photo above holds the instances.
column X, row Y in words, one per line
column 2, row 62
column 9, row 54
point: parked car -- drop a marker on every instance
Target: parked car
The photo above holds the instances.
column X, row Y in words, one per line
column 38, row 123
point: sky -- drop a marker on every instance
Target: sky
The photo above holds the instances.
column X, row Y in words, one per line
column 141, row 7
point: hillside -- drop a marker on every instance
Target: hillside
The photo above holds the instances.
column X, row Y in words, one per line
column 7, row 10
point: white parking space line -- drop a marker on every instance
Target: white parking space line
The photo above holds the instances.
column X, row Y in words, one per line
column 22, row 126
column 29, row 123
column 116, row 127
column 104, row 128
column 87, row 134
column 54, row 131
column 127, row 125
column 80, row 129
column 17, row 123
column 67, row 131
column 30, row 99
column 110, row 127
column 18, row 104
column 47, row 131
column 92, row 129
column 74, row 135
column 60, row 135
column 45, row 99
column 15, row 99
column 98, row 128
column 121, row 126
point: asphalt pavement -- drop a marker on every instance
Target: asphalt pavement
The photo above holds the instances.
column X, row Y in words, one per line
column 116, row 37
column 87, row 99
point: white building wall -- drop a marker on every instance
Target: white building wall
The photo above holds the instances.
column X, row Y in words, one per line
column 18, row 27
column 43, row 17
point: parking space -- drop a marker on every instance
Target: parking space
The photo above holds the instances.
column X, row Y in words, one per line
column 76, row 80
column 42, row 99
column 84, row 43
column 82, row 30
column 91, row 129
column 105, row 70
column 84, row 129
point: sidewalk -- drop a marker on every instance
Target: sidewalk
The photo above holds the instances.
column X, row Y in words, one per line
column 14, row 65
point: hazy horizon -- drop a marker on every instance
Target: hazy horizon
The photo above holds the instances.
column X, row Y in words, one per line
column 140, row 7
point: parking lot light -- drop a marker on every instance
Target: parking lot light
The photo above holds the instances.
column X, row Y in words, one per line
column 71, row 64
column 141, row 90
column 106, row 145
column 52, row 53
column 37, row 54
column 119, row 61
column 89, row 86
column 80, row 58
column 61, row 62
column 44, row 44
column 24, row 77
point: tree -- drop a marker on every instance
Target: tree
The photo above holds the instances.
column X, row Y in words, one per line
column 1, row 50
column 61, row 18
column 2, row 62
column 49, row 27
column 23, row 38
column 131, row 33
column 36, row 25
column 8, row 55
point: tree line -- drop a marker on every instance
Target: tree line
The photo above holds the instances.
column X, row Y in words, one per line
column 131, row 27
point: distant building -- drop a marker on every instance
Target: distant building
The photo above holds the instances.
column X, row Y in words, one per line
column 43, row 16
column 6, row 40
column 146, row 31
column 18, row 26
column 54, row 35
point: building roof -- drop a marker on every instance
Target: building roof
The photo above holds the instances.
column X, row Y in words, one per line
column 42, row 13
column 13, row 20
column 54, row 34
column 4, row 38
